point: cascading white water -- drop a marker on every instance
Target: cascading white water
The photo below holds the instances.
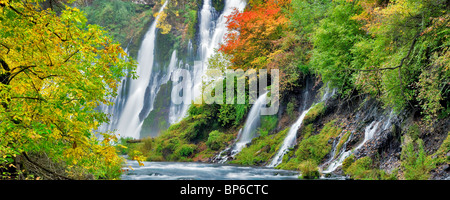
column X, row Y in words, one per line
column 369, row 132
column 210, row 40
column 212, row 31
column 138, row 103
column 289, row 141
column 129, row 124
column 251, row 125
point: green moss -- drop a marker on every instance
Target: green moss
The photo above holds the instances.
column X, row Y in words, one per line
column 316, row 111
column 261, row 150
column 312, row 147
column 268, row 123
column 413, row 132
column 348, row 162
column 290, row 107
column 165, row 45
column 441, row 156
column 315, row 147
column 156, row 121
column 361, row 169
column 342, row 141
column 364, row 169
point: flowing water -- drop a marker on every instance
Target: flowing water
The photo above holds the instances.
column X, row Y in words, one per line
column 135, row 105
column 291, row 137
column 289, row 141
column 368, row 135
column 376, row 127
column 202, row 171
column 251, row 125
column 130, row 120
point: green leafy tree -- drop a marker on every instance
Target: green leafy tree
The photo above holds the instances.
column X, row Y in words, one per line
column 55, row 71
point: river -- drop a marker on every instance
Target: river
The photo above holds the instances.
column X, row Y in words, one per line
column 202, row 171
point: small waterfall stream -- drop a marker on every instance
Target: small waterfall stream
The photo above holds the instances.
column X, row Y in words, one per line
column 368, row 135
column 289, row 141
column 245, row 135
column 375, row 127
column 251, row 125
column 291, row 137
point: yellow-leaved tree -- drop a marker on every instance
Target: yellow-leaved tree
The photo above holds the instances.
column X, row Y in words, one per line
column 55, row 70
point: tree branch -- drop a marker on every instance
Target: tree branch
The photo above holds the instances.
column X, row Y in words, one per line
column 17, row 73
column 43, row 168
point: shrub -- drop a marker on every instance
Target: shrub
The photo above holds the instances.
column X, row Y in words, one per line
column 309, row 169
column 185, row 150
column 416, row 164
column 268, row 123
column 216, row 140
column 361, row 169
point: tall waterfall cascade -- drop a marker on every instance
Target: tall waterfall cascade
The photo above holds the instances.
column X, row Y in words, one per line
column 131, row 108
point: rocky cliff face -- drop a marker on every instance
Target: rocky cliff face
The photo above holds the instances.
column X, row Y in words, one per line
column 392, row 132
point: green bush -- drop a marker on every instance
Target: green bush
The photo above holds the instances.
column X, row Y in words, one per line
column 185, row 150
column 216, row 140
column 415, row 163
column 268, row 123
column 361, row 169
column 348, row 162
column 309, row 169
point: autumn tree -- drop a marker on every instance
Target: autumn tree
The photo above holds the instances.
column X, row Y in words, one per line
column 55, row 70
column 252, row 33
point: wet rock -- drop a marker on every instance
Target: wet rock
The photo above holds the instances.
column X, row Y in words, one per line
column 446, row 168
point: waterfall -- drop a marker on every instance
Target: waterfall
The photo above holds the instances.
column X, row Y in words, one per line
column 130, row 122
column 132, row 110
column 251, row 125
column 289, row 141
column 291, row 137
column 369, row 132
column 212, row 31
column 212, row 34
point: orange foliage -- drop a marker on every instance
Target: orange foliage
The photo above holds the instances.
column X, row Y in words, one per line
column 252, row 33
